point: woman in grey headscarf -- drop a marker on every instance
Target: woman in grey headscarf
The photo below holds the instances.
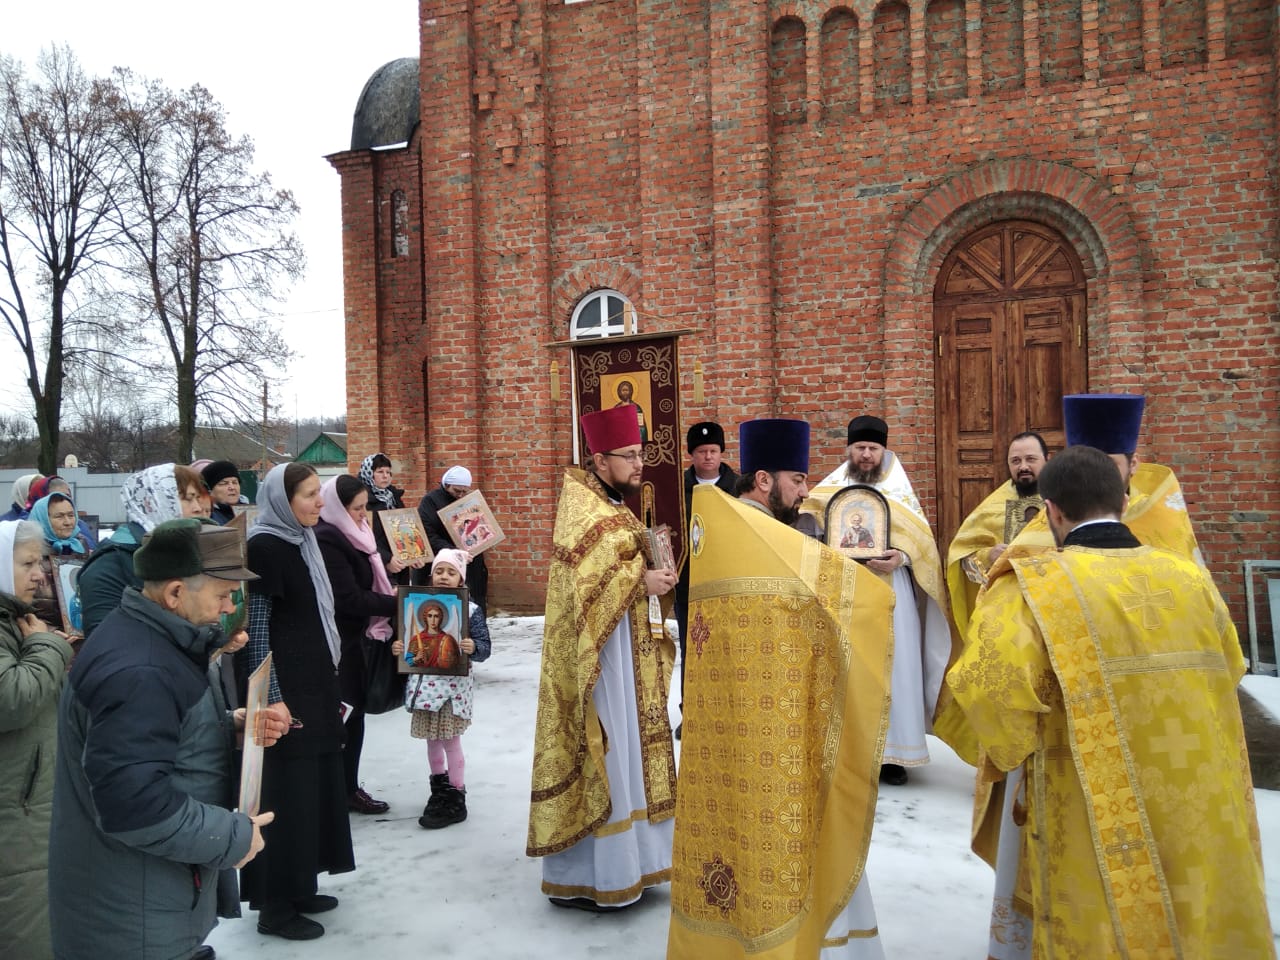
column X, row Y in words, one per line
column 33, row 663
column 291, row 616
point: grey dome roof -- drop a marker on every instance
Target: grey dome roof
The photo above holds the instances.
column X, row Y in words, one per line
column 387, row 112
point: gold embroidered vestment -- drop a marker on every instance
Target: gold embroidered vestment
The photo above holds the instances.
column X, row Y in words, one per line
column 596, row 578
column 1113, row 674
column 789, row 658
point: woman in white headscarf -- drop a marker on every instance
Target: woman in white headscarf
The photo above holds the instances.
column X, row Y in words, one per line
column 21, row 489
column 166, row 491
column 291, row 616
column 33, row 663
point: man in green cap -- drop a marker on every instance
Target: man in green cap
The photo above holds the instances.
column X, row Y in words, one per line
column 144, row 777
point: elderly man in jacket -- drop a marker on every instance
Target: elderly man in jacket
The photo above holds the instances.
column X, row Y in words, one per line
column 144, row 778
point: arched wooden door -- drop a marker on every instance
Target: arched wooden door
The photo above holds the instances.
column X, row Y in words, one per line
column 1009, row 314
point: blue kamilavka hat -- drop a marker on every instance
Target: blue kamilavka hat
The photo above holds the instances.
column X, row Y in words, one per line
column 1110, row 422
column 774, row 445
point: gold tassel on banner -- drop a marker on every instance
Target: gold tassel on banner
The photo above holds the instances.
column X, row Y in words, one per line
column 698, row 396
column 555, row 379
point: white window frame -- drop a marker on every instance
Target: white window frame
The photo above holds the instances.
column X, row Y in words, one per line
column 607, row 327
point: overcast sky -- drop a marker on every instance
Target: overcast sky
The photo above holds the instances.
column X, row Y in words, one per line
column 289, row 74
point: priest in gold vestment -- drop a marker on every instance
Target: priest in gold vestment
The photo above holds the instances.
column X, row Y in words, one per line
column 603, row 791
column 1110, row 669
column 924, row 638
column 789, row 655
column 1156, row 514
column 986, row 532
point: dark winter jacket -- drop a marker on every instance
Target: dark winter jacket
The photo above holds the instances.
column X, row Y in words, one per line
column 477, row 573
column 351, row 577
column 144, row 784
column 354, row 602
column 31, row 674
column 107, row 573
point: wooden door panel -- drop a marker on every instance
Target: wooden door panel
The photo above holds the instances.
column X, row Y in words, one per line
column 1009, row 313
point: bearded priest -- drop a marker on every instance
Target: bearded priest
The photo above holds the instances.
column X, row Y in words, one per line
column 604, row 773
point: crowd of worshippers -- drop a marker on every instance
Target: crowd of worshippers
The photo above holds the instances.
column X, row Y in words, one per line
column 1069, row 644
column 122, row 703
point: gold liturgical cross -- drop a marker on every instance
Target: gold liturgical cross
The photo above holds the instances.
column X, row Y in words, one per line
column 1143, row 599
column 1175, row 743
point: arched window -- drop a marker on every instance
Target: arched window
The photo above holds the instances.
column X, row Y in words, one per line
column 601, row 313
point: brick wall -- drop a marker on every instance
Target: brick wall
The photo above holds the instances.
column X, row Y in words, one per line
column 784, row 181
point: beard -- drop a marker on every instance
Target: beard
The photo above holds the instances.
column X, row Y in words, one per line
column 1027, row 487
column 869, row 477
column 629, row 487
column 787, row 514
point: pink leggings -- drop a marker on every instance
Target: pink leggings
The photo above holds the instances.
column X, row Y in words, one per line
column 444, row 754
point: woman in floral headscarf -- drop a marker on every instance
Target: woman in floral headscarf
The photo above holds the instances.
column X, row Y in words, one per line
column 151, row 496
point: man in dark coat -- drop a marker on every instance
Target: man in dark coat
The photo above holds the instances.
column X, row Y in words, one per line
column 144, row 778
column 705, row 443
column 455, row 483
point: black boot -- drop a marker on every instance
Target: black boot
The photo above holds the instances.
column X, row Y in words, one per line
column 439, row 786
column 451, row 809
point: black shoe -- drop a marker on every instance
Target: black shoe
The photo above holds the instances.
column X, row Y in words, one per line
column 445, row 809
column 893, row 774
column 290, row 926
column 679, row 729
column 585, row 903
column 316, row 903
column 361, row 802
column 205, row 952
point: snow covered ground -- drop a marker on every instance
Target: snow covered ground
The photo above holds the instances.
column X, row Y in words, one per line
column 469, row 892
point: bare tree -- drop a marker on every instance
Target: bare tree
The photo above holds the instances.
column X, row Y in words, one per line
column 113, row 422
column 16, row 433
column 58, row 170
column 209, row 248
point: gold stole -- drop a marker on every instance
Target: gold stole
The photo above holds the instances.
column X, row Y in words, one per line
column 596, row 578
column 1156, row 514
column 789, row 659
column 981, row 530
column 1137, row 894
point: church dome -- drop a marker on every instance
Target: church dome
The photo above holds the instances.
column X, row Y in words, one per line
column 387, row 112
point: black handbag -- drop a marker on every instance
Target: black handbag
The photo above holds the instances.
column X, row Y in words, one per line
column 384, row 690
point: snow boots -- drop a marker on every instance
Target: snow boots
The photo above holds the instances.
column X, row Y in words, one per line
column 448, row 804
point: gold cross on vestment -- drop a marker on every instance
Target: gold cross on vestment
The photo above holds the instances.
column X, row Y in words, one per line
column 1175, row 743
column 1124, row 847
column 1142, row 598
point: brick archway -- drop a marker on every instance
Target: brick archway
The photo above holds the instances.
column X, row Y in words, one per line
column 1075, row 204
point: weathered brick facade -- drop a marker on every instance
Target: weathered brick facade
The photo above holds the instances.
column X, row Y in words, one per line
column 786, row 179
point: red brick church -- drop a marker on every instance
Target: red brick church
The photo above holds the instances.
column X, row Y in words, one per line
column 947, row 213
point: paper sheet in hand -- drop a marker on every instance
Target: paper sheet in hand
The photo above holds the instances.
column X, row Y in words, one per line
column 251, row 766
